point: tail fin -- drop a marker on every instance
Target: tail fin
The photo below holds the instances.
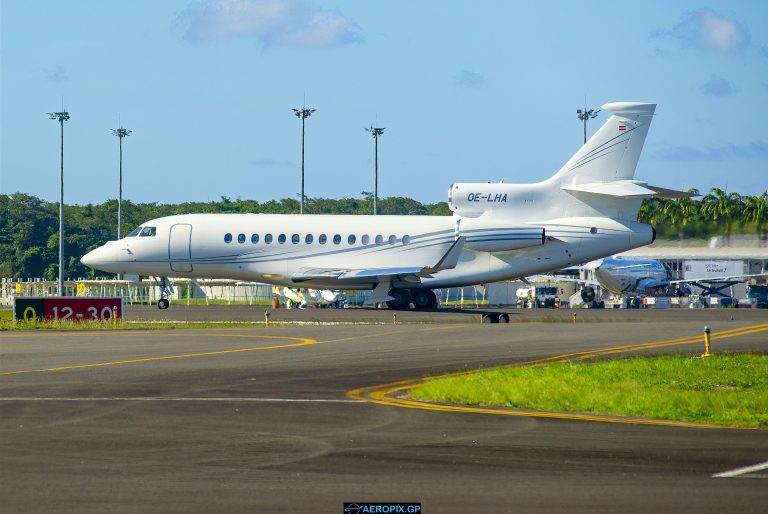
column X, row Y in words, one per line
column 613, row 151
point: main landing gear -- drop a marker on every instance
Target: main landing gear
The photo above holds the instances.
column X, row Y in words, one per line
column 420, row 298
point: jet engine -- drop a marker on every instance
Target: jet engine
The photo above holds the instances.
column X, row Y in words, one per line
column 588, row 294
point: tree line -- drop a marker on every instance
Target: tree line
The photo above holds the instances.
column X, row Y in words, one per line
column 717, row 213
column 29, row 225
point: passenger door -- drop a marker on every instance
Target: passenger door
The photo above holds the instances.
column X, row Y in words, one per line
column 179, row 248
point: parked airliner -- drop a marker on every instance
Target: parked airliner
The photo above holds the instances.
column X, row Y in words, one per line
column 623, row 275
column 500, row 231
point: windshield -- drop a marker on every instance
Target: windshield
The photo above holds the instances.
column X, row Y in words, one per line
column 134, row 232
column 148, row 232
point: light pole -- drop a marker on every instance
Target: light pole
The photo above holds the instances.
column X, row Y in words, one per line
column 302, row 113
column 61, row 117
column 120, row 133
column 375, row 132
column 586, row 115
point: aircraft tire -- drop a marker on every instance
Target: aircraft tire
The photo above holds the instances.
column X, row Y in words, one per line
column 163, row 303
column 401, row 299
column 503, row 317
column 424, row 299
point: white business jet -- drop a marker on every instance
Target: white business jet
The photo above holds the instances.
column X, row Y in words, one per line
column 499, row 231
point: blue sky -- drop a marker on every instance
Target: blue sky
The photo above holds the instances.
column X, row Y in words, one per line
column 469, row 91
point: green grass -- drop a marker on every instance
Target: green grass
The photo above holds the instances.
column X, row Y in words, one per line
column 727, row 389
column 9, row 325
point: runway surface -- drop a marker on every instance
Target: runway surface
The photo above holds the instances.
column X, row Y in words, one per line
column 259, row 420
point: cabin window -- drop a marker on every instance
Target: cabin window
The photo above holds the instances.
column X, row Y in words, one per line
column 392, row 239
column 295, row 238
column 593, row 230
column 351, row 239
column 336, row 239
column 308, row 239
column 227, row 237
column 148, row 232
column 406, row 239
column 281, row 239
column 268, row 239
column 379, row 239
column 134, row 232
column 365, row 239
column 322, row 239
column 254, row 238
column 241, row 238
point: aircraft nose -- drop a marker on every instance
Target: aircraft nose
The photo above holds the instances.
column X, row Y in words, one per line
column 98, row 258
column 90, row 259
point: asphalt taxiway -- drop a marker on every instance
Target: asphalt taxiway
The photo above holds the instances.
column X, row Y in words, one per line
column 260, row 420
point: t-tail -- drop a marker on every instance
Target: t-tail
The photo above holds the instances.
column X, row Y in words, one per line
column 611, row 154
column 597, row 182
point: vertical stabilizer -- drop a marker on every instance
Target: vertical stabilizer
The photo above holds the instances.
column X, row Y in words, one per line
column 613, row 151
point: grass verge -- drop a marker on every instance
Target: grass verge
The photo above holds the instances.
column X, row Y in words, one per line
column 726, row 389
column 10, row 325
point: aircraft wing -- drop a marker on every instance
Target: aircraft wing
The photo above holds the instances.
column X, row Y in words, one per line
column 716, row 279
column 375, row 275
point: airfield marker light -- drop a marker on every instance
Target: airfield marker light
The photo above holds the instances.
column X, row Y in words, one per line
column 394, row 319
column 706, row 342
column 61, row 117
column 302, row 113
column 574, row 317
column 266, row 318
column 585, row 115
column 375, row 132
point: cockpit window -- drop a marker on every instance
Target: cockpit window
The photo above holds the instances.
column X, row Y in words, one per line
column 148, row 232
column 134, row 232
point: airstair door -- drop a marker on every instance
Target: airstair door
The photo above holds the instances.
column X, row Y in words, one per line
column 179, row 248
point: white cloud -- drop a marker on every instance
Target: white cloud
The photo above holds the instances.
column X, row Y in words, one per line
column 706, row 30
column 272, row 22
column 471, row 79
column 58, row 74
column 718, row 86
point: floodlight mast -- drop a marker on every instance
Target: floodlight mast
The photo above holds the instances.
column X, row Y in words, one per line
column 586, row 115
column 61, row 117
column 120, row 133
column 375, row 132
column 302, row 113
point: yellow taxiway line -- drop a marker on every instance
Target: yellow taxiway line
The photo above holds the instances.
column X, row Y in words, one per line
column 391, row 393
column 300, row 341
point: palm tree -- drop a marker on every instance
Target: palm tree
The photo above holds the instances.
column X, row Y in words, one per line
column 723, row 207
column 651, row 211
column 756, row 210
column 682, row 211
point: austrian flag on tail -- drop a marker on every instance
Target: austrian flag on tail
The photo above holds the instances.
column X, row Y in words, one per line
column 622, row 127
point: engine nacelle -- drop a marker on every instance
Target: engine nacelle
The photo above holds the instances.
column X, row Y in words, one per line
column 485, row 235
column 588, row 294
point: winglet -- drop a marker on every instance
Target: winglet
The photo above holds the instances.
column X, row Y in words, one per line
column 450, row 259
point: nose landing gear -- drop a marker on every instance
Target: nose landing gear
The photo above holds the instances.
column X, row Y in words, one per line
column 166, row 290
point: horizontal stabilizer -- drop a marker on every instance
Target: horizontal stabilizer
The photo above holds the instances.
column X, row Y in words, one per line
column 670, row 193
column 627, row 189
column 620, row 188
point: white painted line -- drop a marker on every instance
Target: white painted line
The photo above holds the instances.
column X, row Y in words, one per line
column 174, row 399
column 741, row 471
